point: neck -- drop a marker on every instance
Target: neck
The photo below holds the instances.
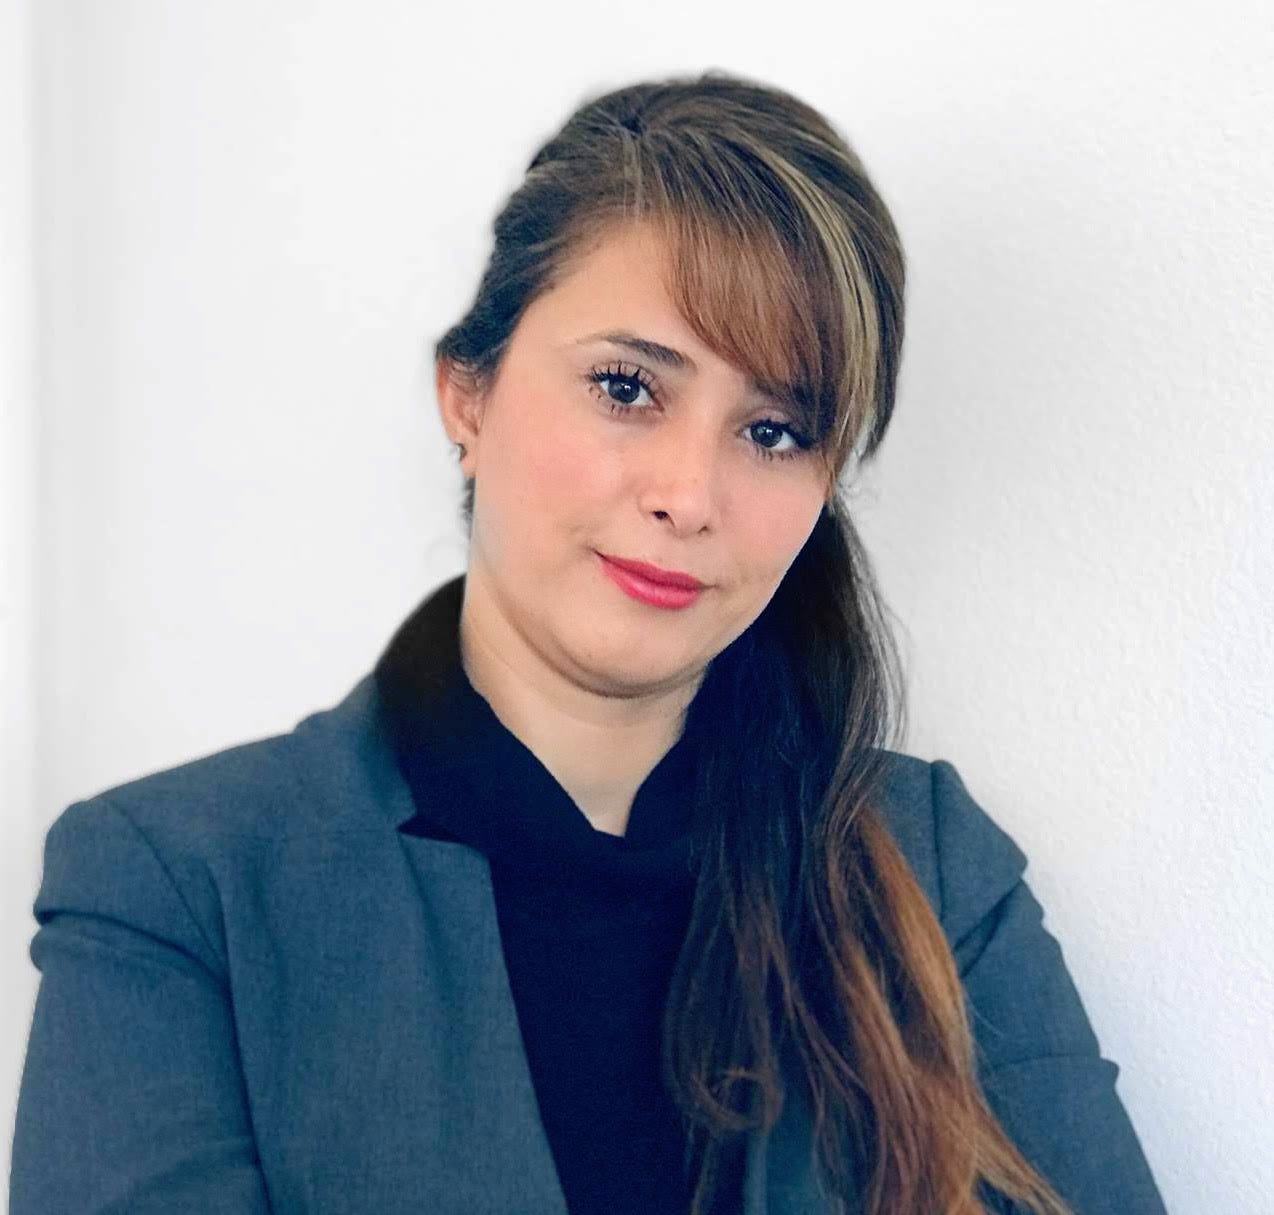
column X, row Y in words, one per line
column 599, row 746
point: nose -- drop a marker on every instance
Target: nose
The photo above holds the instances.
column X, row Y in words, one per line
column 679, row 473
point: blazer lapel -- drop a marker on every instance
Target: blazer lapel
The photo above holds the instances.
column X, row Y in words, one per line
column 494, row 1127
column 489, row 1083
column 455, row 1024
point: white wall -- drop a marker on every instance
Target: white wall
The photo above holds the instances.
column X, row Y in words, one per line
column 257, row 217
column 20, row 812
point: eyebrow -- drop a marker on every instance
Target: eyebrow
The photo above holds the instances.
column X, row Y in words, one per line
column 780, row 394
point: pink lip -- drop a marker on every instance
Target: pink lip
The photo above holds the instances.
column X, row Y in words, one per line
column 656, row 594
column 652, row 573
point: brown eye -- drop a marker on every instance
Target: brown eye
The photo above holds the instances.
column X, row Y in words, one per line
column 618, row 388
column 629, row 388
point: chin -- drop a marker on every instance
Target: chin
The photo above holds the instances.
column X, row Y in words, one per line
column 622, row 664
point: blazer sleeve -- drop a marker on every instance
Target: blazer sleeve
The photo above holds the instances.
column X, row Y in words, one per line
column 131, row 1097
column 1039, row 1061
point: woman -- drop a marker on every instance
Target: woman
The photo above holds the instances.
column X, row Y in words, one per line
column 602, row 892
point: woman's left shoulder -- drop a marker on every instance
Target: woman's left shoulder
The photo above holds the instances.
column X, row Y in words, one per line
column 960, row 855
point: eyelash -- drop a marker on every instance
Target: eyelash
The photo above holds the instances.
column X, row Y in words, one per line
column 641, row 377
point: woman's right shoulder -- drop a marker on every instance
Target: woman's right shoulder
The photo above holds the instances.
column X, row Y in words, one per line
column 323, row 775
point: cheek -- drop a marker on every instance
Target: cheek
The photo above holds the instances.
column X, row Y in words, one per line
column 775, row 529
column 558, row 460
column 550, row 464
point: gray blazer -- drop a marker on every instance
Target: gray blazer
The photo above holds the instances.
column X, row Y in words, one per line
column 258, row 995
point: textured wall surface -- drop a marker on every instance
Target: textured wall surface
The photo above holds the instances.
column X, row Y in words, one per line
column 254, row 219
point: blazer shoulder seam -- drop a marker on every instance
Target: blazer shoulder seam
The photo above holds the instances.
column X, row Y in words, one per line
column 166, row 869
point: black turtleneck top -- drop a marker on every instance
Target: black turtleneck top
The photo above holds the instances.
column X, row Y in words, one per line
column 591, row 923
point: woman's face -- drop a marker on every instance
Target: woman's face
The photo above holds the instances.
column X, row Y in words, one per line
column 585, row 446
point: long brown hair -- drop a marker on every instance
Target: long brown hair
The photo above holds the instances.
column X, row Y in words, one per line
column 809, row 936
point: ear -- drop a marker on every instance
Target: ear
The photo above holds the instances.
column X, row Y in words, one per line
column 461, row 408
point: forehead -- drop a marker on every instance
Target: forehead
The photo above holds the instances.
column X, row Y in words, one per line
column 617, row 281
column 618, row 292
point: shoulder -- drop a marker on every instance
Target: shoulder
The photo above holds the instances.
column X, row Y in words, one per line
column 962, row 858
column 318, row 776
column 333, row 774
column 162, row 852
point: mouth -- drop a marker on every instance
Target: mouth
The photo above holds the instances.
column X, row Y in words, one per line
column 637, row 585
column 653, row 573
